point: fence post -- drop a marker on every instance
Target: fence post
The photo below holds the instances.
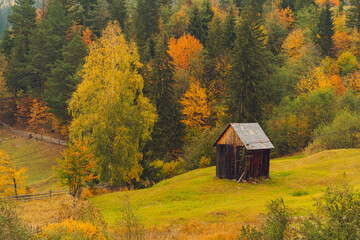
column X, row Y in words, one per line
column 50, row 193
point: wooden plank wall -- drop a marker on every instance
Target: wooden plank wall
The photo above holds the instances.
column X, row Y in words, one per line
column 228, row 162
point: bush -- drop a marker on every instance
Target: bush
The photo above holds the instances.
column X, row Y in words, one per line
column 174, row 168
column 275, row 226
column 338, row 215
column 128, row 227
column 204, row 162
column 201, row 145
column 83, row 212
column 71, row 230
column 342, row 132
column 11, row 227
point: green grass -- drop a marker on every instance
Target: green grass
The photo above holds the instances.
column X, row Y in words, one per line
column 38, row 157
column 198, row 196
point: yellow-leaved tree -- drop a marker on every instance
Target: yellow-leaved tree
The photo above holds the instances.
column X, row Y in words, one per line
column 109, row 110
column 293, row 44
column 195, row 106
column 12, row 181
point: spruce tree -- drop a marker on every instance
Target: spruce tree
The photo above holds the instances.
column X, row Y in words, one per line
column 200, row 17
column 118, row 12
column 250, row 69
column 229, row 34
column 99, row 17
column 63, row 79
column 15, row 43
column 326, row 30
column 159, row 86
column 353, row 15
column 195, row 23
column 46, row 43
column 147, row 26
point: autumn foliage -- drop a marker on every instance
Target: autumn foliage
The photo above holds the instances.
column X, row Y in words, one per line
column 12, row 181
column 72, row 229
column 195, row 105
column 293, row 44
column 76, row 166
column 185, row 51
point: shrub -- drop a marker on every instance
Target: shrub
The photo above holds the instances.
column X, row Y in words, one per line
column 129, row 226
column 174, row 168
column 72, row 230
column 275, row 226
column 338, row 215
column 204, row 162
column 83, row 212
column 342, row 132
column 11, row 228
column 201, row 145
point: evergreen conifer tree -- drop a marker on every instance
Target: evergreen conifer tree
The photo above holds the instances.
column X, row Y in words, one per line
column 250, row 69
column 326, row 30
column 46, row 43
column 15, row 43
column 118, row 12
column 229, row 34
column 353, row 16
column 168, row 130
column 63, row 79
column 147, row 26
column 200, row 17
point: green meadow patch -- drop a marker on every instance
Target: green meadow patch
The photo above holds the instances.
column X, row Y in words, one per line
column 38, row 157
column 198, row 196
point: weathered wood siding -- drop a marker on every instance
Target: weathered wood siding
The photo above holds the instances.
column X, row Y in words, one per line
column 230, row 138
column 232, row 161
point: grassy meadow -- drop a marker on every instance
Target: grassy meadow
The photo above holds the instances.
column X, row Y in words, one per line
column 37, row 156
column 197, row 200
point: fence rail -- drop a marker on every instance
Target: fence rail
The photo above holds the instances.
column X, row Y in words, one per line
column 35, row 196
column 34, row 135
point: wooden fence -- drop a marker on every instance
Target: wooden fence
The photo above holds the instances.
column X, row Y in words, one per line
column 35, row 196
column 34, row 135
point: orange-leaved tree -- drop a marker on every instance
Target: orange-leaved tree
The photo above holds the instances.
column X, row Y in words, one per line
column 334, row 3
column 76, row 166
column 12, row 181
column 287, row 17
column 39, row 115
column 195, row 106
column 87, row 36
column 23, row 109
column 186, row 53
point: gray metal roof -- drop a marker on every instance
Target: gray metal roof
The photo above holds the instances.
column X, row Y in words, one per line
column 251, row 135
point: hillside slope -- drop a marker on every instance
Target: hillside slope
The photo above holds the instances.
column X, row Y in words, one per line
column 197, row 196
column 39, row 157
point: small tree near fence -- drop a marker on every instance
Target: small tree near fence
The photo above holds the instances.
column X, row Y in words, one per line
column 75, row 168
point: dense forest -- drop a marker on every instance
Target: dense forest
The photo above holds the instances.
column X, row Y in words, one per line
column 142, row 89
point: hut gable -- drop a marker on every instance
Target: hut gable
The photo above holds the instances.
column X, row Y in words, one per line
column 251, row 135
column 243, row 150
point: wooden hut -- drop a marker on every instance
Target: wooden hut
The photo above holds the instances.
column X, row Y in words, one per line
column 243, row 151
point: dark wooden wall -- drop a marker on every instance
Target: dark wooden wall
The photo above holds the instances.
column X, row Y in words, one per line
column 233, row 161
